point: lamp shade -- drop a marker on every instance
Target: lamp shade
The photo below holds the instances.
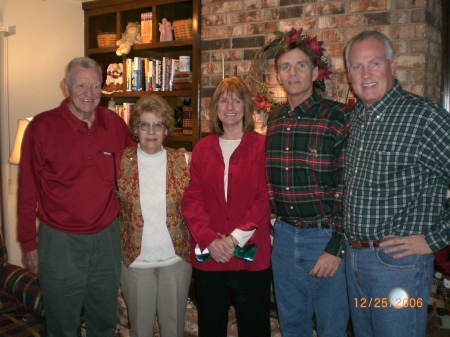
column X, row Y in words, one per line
column 15, row 153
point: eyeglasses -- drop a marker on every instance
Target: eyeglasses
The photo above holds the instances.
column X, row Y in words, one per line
column 145, row 126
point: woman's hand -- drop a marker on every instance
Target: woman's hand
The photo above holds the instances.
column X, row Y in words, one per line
column 221, row 250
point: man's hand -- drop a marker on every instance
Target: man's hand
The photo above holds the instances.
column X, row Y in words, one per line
column 326, row 265
column 221, row 250
column 406, row 246
column 30, row 259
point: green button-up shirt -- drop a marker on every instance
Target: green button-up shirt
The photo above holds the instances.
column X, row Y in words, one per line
column 304, row 161
column 397, row 170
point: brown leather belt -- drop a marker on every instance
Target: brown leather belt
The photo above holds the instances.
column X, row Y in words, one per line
column 358, row 244
column 326, row 223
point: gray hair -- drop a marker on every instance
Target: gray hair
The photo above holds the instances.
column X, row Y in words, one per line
column 84, row 62
column 364, row 36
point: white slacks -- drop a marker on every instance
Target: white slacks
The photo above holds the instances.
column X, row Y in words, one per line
column 157, row 292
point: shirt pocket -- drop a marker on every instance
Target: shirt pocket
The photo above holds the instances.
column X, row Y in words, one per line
column 108, row 164
column 388, row 169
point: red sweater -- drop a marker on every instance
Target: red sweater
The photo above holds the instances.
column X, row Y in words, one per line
column 66, row 175
column 207, row 213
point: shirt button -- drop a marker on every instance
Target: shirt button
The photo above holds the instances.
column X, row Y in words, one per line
column 292, row 207
column 289, row 129
column 89, row 157
column 287, row 149
column 378, row 116
column 89, row 145
column 337, row 195
column 287, row 188
column 361, row 148
column 287, row 168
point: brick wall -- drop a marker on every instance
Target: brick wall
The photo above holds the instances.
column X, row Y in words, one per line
column 236, row 30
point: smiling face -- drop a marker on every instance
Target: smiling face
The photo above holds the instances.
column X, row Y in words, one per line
column 84, row 90
column 296, row 74
column 370, row 71
column 151, row 140
column 230, row 111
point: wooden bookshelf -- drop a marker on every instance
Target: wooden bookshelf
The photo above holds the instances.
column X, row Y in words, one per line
column 113, row 16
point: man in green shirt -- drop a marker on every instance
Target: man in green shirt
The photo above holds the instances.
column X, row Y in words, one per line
column 304, row 163
column 397, row 170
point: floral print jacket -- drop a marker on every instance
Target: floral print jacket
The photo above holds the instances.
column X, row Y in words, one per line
column 130, row 216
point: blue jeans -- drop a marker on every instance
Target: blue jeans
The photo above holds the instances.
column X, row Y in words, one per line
column 388, row 297
column 298, row 295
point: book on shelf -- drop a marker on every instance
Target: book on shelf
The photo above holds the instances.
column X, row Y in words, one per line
column 146, row 27
column 182, row 80
column 174, row 68
column 183, row 76
column 129, row 70
column 187, row 120
column 124, row 111
column 119, row 108
column 182, row 86
column 137, row 79
column 164, row 78
column 148, row 70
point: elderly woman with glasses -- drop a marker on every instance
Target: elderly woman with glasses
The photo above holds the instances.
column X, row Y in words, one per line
column 156, row 272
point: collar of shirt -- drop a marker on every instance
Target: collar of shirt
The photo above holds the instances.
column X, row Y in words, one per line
column 380, row 107
column 303, row 108
column 75, row 124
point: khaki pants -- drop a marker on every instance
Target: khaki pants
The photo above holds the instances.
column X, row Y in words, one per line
column 157, row 292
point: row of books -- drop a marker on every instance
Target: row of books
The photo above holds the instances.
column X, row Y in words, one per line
column 146, row 27
column 124, row 111
column 182, row 80
column 146, row 74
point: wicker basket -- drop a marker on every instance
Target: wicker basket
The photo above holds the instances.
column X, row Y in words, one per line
column 182, row 29
column 106, row 40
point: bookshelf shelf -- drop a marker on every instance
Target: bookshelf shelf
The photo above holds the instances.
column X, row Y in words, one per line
column 112, row 16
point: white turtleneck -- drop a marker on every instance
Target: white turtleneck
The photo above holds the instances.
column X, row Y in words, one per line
column 156, row 247
column 228, row 147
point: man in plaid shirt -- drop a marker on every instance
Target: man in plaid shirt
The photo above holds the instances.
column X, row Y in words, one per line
column 397, row 171
column 304, row 160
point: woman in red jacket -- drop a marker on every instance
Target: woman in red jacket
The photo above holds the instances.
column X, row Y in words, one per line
column 226, row 205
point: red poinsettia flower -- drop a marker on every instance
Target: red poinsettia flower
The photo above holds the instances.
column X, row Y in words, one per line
column 315, row 45
column 324, row 73
column 293, row 36
column 261, row 102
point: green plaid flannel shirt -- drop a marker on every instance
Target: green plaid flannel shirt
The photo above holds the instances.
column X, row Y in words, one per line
column 304, row 160
column 397, row 170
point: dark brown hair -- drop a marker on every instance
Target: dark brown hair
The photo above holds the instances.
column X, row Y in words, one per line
column 312, row 56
